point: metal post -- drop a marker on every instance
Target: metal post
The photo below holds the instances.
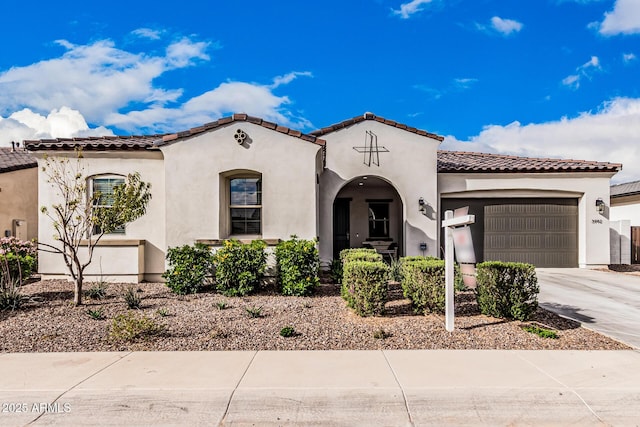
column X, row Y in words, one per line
column 448, row 272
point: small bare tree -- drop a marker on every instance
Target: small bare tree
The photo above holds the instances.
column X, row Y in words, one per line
column 79, row 220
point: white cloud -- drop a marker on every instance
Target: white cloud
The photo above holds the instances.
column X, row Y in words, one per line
column 464, row 83
column 59, row 123
column 413, row 7
column 147, row 33
column 623, row 19
column 103, row 82
column 610, row 134
column 584, row 70
column 253, row 99
column 628, row 57
column 505, row 26
column 289, row 77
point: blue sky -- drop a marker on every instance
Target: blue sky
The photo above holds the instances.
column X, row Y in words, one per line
column 544, row 78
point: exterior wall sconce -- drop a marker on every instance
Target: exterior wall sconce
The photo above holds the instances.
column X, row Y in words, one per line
column 422, row 205
column 600, row 205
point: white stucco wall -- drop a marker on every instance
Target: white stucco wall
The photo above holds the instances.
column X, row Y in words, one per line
column 593, row 228
column 150, row 227
column 194, row 171
column 626, row 208
column 410, row 167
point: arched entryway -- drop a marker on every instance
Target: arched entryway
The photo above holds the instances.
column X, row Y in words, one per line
column 367, row 209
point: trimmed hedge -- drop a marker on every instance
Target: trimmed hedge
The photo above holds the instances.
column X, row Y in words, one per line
column 297, row 264
column 239, row 267
column 364, row 287
column 507, row 289
column 423, row 282
column 189, row 267
column 359, row 254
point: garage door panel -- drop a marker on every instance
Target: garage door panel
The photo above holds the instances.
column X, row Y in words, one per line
column 540, row 232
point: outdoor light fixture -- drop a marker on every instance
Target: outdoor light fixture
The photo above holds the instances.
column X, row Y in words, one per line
column 600, row 205
column 421, row 204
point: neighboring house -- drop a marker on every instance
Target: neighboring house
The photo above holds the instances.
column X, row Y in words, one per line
column 625, row 223
column 18, row 193
column 363, row 180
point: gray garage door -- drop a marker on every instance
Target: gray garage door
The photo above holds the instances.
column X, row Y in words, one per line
column 543, row 233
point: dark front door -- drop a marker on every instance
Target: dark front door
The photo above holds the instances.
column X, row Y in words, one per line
column 341, row 234
column 635, row 245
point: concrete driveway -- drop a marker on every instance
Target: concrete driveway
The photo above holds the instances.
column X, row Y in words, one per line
column 606, row 302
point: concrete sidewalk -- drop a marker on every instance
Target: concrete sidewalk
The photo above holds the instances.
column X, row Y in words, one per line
column 437, row 387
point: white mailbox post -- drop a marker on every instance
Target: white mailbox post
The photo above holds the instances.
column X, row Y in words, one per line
column 450, row 221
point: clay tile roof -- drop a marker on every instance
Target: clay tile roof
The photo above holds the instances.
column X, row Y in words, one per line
column 12, row 160
column 626, row 189
column 238, row 118
column 94, row 143
column 458, row 161
column 371, row 116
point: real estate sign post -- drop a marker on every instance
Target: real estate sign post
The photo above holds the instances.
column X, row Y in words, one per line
column 450, row 221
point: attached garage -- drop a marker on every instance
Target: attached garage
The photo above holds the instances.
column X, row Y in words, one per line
column 542, row 232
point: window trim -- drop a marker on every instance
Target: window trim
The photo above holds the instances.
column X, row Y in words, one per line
column 230, row 206
column 91, row 187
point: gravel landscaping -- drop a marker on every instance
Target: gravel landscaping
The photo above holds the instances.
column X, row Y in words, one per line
column 49, row 322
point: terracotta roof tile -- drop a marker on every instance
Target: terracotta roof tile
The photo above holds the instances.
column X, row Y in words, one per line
column 12, row 160
column 371, row 116
column 94, row 143
column 459, row 161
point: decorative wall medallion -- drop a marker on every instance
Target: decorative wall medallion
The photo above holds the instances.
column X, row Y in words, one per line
column 240, row 136
column 371, row 151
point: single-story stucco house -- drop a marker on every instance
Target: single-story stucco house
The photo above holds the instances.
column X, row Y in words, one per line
column 366, row 179
column 18, row 193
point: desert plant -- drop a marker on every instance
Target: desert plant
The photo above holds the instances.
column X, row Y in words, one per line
column 423, row 282
column 395, row 270
column 222, row 305
column 130, row 327
column 364, row 287
column 297, row 265
column 98, row 290
column 541, row 332
column 239, row 267
column 287, row 332
column 189, row 267
column 254, row 312
column 381, row 334
column 132, row 297
column 507, row 289
column 162, row 312
column 96, row 314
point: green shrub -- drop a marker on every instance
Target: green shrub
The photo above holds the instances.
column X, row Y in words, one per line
column 10, row 296
column 129, row 327
column 162, row 312
column 20, row 258
column 287, row 332
column 297, row 265
column 423, row 282
column 507, row 289
column 239, row 267
column 335, row 271
column 381, row 334
column 364, row 287
column 395, row 270
column 359, row 254
column 132, row 298
column 189, row 267
column 541, row 332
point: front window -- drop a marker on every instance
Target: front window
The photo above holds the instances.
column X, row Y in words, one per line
column 246, row 205
column 378, row 220
column 104, row 188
